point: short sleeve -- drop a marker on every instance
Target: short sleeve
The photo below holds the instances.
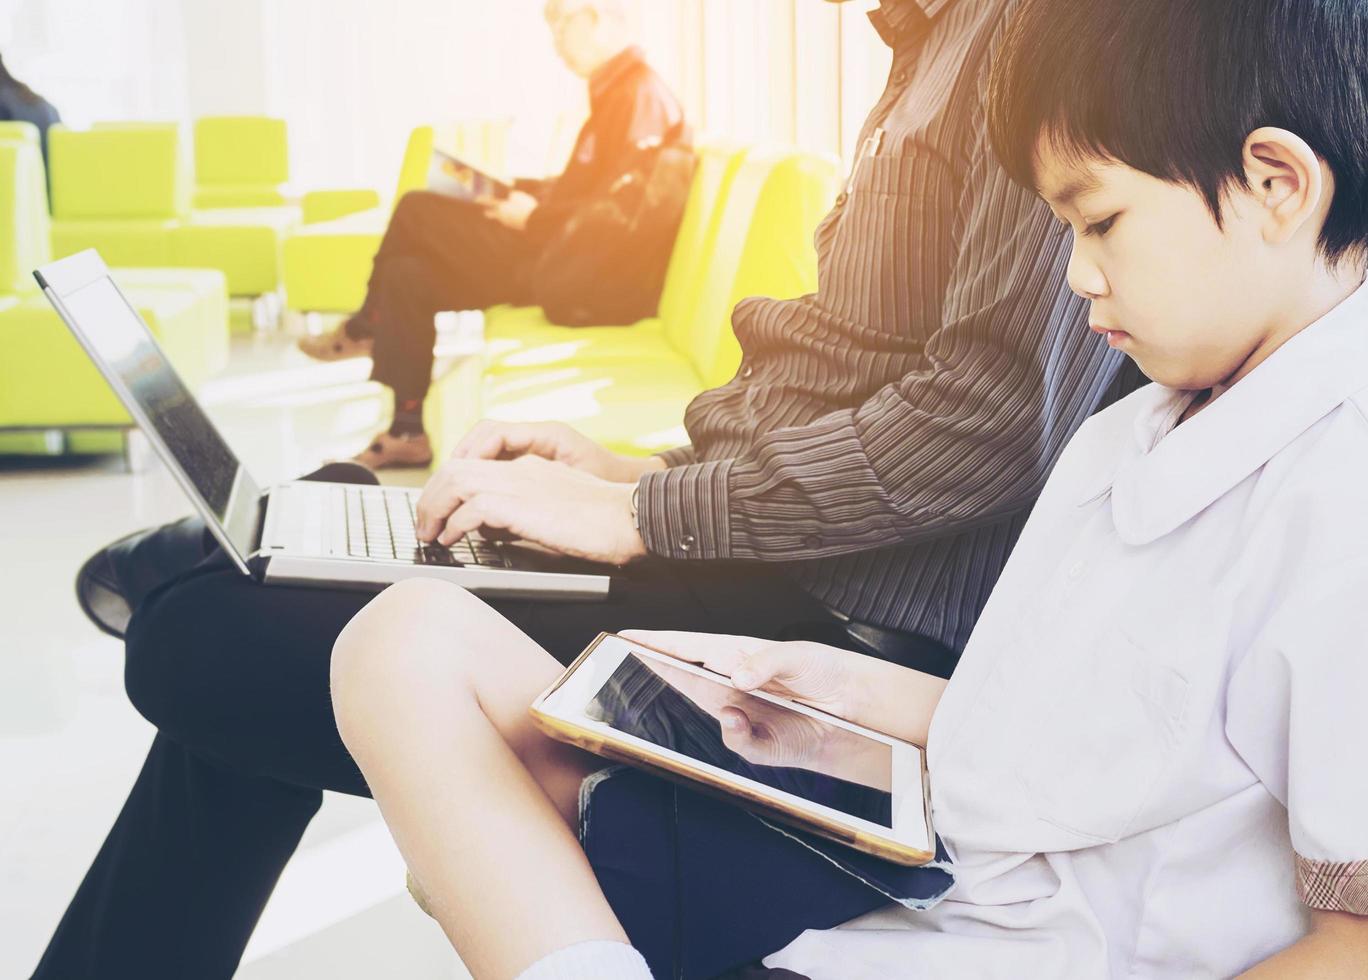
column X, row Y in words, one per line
column 1297, row 712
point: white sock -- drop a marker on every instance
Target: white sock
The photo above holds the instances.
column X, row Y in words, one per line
column 595, row 960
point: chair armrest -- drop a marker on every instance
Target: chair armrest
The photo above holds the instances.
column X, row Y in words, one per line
column 329, row 204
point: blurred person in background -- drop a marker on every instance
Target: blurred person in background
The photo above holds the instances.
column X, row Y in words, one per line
column 19, row 103
column 579, row 245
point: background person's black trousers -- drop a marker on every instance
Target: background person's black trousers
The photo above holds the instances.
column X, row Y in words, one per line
column 438, row 253
column 235, row 677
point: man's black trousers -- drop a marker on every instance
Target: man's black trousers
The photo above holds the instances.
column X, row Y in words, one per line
column 438, row 253
column 235, row 677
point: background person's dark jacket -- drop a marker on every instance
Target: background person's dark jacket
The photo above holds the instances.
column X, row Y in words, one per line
column 606, row 226
column 20, row 103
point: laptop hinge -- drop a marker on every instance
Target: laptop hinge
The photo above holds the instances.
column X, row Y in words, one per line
column 260, row 532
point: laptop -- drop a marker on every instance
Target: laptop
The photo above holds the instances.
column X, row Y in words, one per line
column 300, row 533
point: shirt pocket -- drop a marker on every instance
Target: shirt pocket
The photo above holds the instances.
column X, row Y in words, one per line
column 1107, row 726
column 890, row 252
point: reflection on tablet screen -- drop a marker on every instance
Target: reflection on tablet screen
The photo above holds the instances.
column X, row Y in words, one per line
column 787, row 750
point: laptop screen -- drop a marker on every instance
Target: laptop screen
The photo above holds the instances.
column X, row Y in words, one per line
column 121, row 341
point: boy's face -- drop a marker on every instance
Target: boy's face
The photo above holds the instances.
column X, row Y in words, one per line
column 1187, row 300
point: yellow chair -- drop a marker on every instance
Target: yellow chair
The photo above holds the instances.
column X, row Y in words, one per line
column 14, row 129
column 241, row 161
column 517, row 338
column 328, row 262
column 47, row 382
column 124, row 189
column 633, row 402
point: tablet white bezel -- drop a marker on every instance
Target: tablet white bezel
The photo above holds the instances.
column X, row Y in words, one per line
column 911, row 822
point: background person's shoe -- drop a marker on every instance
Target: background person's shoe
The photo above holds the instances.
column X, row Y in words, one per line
column 336, row 345
column 387, row 451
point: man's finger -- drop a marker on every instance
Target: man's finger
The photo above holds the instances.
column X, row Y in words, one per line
column 499, row 441
column 473, row 444
column 454, row 483
column 483, row 512
column 435, row 505
column 464, row 519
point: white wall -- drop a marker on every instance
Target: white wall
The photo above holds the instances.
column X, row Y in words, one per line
column 353, row 77
column 226, row 69
column 99, row 59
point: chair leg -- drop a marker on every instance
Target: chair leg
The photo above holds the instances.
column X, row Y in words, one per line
column 267, row 310
column 136, row 451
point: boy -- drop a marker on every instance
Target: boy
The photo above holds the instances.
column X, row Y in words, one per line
column 1149, row 760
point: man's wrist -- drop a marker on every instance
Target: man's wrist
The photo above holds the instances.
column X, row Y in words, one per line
column 630, row 469
column 635, row 546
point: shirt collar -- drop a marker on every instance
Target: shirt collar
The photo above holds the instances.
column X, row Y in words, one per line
column 608, row 74
column 895, row 19
column 1170, row 475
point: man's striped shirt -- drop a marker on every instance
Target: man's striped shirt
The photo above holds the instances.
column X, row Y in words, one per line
column 885, row 437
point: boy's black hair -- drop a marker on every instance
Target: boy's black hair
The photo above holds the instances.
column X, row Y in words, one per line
column 1174, row 87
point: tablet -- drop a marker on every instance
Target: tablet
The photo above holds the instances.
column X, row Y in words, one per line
column 454, row 177
column 782, row 759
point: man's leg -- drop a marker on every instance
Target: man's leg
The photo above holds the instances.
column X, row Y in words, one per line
column 115, row 580
column 183, row 876
column 235, row 676
column 424, row 225
column 483, row 265
column 225, row 668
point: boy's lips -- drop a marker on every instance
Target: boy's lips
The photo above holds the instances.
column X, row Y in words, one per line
column 1115, row 338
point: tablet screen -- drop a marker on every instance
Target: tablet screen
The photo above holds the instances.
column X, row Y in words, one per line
column 712, row 722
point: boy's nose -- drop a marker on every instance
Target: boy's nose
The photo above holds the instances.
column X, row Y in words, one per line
column 1085, row 278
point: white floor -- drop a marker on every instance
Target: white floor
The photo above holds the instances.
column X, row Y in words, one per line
column 70, row 743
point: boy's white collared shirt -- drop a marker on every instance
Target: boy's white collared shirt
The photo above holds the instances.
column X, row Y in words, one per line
column 1157, row 737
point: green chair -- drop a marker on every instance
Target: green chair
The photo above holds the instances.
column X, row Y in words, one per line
column 14, row 129
column 47, row 383
column 124, row 189
column 122, row 192
column 328, row 262
column 759, row 243
column 522, row 337
column 240, row 162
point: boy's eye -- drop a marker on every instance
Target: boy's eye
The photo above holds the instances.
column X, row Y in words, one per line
column 1099, row 229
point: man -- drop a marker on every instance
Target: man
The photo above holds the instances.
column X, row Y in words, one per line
column 860, row 482
column 445, row 253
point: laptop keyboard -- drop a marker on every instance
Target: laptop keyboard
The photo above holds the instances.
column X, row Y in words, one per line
column 380, row 524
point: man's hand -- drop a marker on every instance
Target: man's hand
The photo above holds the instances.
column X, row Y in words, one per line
column 531, row 499
column 554, row 441
column 512, row 211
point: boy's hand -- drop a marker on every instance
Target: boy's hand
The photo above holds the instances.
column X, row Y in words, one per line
column 766, row 734
column 822, row 677
column 886, row 697
column 554, row 441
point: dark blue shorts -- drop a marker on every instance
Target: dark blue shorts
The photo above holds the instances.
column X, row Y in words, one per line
column 703, row 887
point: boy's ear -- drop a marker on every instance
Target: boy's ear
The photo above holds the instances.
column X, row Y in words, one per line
column 1287, row 181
